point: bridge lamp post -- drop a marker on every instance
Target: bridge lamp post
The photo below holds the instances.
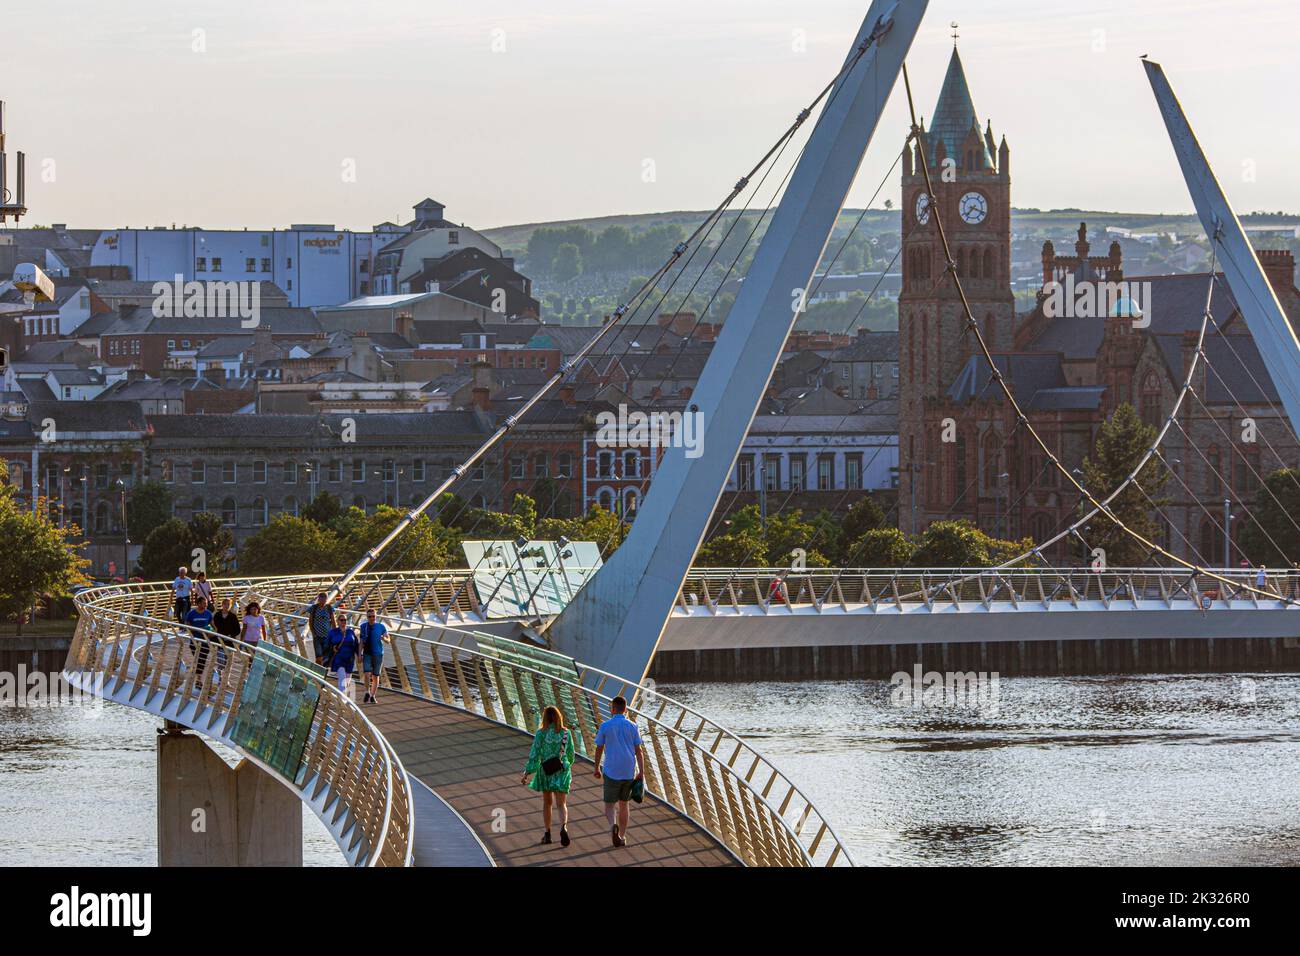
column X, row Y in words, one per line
column 120, row 485
column 1005, row 476
column 1227, row 533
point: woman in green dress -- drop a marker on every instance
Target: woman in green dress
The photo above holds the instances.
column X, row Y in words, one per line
column 548, row 764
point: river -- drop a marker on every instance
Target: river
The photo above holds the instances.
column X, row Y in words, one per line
column 1104, row 771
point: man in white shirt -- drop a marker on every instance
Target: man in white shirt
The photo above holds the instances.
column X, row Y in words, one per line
column 182, row 587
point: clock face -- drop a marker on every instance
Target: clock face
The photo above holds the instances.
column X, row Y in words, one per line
column 923, row 208
column 974, row 207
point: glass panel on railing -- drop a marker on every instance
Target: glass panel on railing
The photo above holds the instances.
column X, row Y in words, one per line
column 532, row 577
column 276, row 710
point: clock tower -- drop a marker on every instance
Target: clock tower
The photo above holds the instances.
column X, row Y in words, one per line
column 971, row 178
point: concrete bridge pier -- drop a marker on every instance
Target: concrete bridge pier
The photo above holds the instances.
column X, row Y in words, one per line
column 212, row 814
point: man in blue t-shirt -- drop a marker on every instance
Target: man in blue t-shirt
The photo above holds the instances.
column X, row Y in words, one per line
column 619, row 741
column 373, row 636
column 199, row 619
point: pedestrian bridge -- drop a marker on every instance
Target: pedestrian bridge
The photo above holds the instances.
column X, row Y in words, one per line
column 430, row 774
column 741, row 607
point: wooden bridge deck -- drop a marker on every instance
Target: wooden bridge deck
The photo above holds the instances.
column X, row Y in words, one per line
column 474, row 764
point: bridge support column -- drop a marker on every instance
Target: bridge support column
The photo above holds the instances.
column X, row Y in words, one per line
column 212, row 814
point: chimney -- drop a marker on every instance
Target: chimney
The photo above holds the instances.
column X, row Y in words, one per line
column 1279, row 267
column 483, row 376
column 482, row 401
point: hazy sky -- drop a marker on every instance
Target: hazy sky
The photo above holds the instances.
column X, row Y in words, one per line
column 526, row 110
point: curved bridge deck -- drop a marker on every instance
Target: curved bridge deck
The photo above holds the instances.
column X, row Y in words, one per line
column 474, row 765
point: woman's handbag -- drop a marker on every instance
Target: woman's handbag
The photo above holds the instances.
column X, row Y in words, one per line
column 554, row 765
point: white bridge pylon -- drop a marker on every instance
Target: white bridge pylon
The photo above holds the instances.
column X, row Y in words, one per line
column 617, row 619
column 1251, row 289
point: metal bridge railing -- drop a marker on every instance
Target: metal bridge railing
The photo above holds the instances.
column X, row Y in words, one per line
column 775, row 590
column 344, row 768
column 695, row 765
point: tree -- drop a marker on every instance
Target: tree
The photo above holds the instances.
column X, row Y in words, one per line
column 148, row 506
column 952, row 544
column 881, row 548
column 1271, row 522
column 865, row 515
column 739, row 548
column 173, row 544
column 424, row 544
column 787, row 533
column 288, row 545
column 567, row 263
column 1122, row 441
column 598, row 525
column 323, row 509
column 38, row 558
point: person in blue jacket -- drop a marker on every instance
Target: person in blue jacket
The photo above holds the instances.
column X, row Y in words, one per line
column 343, row 650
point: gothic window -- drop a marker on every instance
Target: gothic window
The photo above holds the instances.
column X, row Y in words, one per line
column 229, row 512
column 988, row 263
column 1247, row 468
column 1213, row 469
column 260, row 512
column 1151, row 411
column 990, row 330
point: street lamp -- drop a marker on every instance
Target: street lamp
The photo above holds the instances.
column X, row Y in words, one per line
column 120, row 485
column 1005, row 476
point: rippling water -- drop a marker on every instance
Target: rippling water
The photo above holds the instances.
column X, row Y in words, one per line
column 1108, row 771
column 1111, row 770
column 78, row 787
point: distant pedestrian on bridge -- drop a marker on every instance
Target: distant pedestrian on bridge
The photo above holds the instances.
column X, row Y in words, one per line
column 548, row 764
column 181, row 588
column 199, row 619
column 320, row 617
column 254, row 624
column 619, row 741
column 343, row 651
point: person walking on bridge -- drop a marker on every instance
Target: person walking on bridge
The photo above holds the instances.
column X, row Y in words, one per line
column 618, row 741
column 320, row 616
column 548, row 764
column 373, row 636
column 343, row 651
column 181, row 588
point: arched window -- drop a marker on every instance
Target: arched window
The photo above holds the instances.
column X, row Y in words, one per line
column 605, row 464
column 1151, row 399
column 359, row 501
column 291, row 506
column 630, row 499
column 260, row 512
column 229, row 512
column 1213, row 470
column 101, row 517
column 988, row 263
column 1040, row 527
column 631, row 464
column 605, row 497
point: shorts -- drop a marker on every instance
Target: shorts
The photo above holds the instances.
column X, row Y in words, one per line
column 372, row 663
column 617, row 790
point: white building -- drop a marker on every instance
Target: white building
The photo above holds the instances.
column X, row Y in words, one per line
column 315, row 264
